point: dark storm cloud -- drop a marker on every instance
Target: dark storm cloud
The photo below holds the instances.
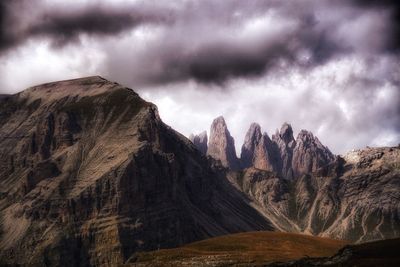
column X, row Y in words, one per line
column 223, row 61
column 7, row 38
column 209, row 44
column 328, row 66
column 393, row 41
column 195, row 53
column 63, row 25
column 65, row 28
column 320, row 30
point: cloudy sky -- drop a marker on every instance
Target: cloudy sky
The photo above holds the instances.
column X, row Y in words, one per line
column 332, row 67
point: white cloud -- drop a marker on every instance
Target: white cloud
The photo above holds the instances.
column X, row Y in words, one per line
column 35, row 62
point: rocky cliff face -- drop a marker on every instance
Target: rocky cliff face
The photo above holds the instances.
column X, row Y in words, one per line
column 200, row 141
column 221, row 145
column 251, row 141
column 283, row 155
column 285, row 144
column 309, row 154
column 90, row 174
column 354, row 198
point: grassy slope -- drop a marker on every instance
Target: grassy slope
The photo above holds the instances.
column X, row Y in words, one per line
column 250, row 247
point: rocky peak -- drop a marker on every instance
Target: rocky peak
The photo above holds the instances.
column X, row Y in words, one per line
column 90, row 175
column 276, row 154
column 74, row 88
column 264, row 154
column 200, row 141
column 286, row 133
column 284, row 145
column 221, row 145
column 253, row 137
column 309, row 154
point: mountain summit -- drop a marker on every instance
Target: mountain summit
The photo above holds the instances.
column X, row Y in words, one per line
column 287, row 157
column 221, row 145
column 90, row 175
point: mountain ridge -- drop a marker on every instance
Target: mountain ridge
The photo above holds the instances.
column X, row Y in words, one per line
column 283, row 154
column 92, row 175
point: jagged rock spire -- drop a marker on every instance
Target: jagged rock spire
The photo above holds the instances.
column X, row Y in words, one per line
column 252, row 139
column 286, row 133
column 221, row 145
column 309, row 154
column 288, row 157
column 285, row 144
column 264, row 154
column 200, row 141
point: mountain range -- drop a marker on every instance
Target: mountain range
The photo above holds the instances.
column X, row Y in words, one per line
column 301, row 187
column 90, row 176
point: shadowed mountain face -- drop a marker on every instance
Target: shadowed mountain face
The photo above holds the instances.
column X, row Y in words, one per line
column 90, row 174
column 200, row 141
column 371, row 254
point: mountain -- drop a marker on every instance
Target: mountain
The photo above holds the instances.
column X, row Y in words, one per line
column 285, row 145
column 354, row 198
column 287, row 157
column 221, row 145
column 251, row 141
column 200, row 141
column 90, row 175
column 309, row 154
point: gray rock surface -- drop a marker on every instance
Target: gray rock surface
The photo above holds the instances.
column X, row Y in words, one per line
column 221, row 145
column 90, row 174
column 285, row 144
column 200, row 141
column 264, row 156
column 251, row 141
column 354, row 198
column 283, row 155
column 309, row 154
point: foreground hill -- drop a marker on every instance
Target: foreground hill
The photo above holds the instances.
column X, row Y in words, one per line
column 90, row 175
column 244, row 249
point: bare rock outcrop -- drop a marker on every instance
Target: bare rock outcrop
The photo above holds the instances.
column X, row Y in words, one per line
column 285, row 144
column 288, row 158
column 353, row 198
column 221, row 145
column 309, row 154
column 251, row 141
column 200, row 141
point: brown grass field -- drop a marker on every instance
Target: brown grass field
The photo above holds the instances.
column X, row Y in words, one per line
column 254, row 248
